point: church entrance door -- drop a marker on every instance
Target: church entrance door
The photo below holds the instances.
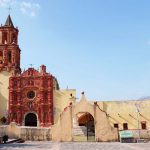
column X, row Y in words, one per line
column 31, row 120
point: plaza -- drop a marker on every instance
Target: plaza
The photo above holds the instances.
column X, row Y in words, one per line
column 44, row 145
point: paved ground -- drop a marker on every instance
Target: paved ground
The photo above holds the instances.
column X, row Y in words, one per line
column 75, row 146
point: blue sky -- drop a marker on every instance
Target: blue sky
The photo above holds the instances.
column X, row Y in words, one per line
column 101, row 47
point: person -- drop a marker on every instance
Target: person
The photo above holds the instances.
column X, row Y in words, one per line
column 5, row 138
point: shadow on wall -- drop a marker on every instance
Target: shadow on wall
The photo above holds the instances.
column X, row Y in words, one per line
column 3, row 108
column 114, row 120
column 128, row 121
column 145, row 117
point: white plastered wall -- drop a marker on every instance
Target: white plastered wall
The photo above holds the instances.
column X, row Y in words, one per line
column 4, row 92
column 62, row 99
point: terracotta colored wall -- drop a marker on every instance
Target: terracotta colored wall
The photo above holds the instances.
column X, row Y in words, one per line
column 41, row 104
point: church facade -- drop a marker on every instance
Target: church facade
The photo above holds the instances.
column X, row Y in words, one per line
column 27, row 97
column 31, row 98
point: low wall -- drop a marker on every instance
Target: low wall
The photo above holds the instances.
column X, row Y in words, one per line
column 26, row 133
column 3, row 130
column 142, row 134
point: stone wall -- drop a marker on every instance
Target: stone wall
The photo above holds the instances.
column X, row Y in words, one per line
column 35, row 134
column 62, row 98
column 144, row 134
column 120, row 112
column 26, row 133
column 63, row 129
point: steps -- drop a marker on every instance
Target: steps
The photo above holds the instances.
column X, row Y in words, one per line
column 79, row 130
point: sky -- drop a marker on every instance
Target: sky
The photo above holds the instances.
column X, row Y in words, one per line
column 101, row 47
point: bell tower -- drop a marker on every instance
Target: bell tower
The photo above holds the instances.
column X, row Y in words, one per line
column 9, row 61
column 9, row 49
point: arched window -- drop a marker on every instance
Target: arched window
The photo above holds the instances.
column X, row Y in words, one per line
column 13, row 39
column 4, row 37
column 31, row 120
column 9, row 56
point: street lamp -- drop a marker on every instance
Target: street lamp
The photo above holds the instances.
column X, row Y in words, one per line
column 138, row 112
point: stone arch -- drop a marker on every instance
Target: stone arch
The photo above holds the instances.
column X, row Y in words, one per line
column 63, row 130
column 82, row 107
column 84, row 118
column 32, row 114
column 83, row 128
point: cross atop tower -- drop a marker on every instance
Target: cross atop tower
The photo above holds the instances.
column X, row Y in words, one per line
column 31, row 65
column 9, row 9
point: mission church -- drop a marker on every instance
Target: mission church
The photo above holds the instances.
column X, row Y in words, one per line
column 33, row 98
column 25, row 97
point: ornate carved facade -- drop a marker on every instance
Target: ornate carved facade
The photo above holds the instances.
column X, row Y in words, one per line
column 30, row 99
column 31, row 92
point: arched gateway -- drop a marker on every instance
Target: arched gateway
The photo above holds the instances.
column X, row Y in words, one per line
column 83, row 127
column 31, row 120
column 91, row 114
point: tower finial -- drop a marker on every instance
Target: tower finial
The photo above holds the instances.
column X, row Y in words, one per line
column 31, row 65
column 9, row 9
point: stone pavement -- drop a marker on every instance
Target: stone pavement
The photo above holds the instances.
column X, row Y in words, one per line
column 75, row 146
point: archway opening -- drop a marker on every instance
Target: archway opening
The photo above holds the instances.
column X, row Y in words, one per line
column 84, row 127
column 31, row 120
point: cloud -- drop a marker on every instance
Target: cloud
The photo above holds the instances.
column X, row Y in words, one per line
column 29, row 8
column 26, row 7
column 7, row 3
column 3, row 3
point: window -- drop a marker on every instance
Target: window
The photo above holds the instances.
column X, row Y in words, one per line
column 4, row 37
column 31, row 94
column 116, row 125
column 143, row 125
column 13, row 38
column 125, row 126
column 9, row 56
